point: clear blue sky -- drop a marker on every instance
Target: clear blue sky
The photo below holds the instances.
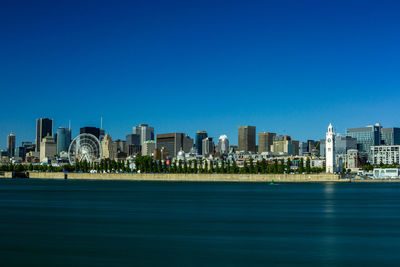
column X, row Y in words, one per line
column 290, row 67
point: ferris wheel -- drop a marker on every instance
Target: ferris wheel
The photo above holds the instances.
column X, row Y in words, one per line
column 84, row 147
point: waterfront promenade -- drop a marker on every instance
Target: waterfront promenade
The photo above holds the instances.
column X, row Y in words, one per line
column 186, row 177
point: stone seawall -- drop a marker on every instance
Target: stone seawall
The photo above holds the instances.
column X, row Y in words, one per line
column 192, row 177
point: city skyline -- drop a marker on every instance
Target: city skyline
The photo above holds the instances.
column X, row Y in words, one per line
column 233, row 138
column 286, row 67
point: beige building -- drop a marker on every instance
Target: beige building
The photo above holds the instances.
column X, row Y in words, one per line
column 148, row 147
column 107, row 146
column 48, row 148
column 265, row 141
column 282, row 145
column 247, row 138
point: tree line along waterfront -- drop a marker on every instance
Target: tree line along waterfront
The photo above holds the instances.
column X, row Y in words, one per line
column 145, row 164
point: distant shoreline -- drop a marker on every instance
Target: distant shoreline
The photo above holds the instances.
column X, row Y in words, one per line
column 262, row 178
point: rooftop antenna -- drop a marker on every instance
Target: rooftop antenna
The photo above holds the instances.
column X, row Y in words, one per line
column 69, row 125
column 101, row 122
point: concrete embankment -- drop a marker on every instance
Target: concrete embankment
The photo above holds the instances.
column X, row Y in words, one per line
column 192, row 177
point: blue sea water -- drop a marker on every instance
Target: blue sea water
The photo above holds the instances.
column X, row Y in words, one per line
column 126, row 223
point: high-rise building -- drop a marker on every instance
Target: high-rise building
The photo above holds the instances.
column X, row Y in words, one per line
column 296, row 149
column 330, row 150
column 63, row 139
column 283, row 145
column 44, row 127
column 390, row 136
column 265, row 141
column 174, row 142
column 303, row 149
column 200, row 135
column 48, row 148
column 20, row 152
column 107, row 147
column 145, row 132
column 208, row 146
column 11, row 145
column 120, row 146
column 148, row 147
column 366, row 137
column 247, row 138
column 223, row 145
column 133, row 144
column 91, row 130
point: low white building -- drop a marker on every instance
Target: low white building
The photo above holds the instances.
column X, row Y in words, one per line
column 385, row 154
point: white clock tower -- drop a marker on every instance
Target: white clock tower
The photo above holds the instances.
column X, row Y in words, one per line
column 330, row 150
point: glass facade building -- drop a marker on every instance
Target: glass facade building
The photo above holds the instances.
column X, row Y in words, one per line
column 366, row 137
column 390, row 136
column 200, row 135
column 63, row 139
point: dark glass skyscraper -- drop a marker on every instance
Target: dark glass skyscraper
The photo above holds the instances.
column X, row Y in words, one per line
column 200, row 135
column 91, row 130
column 366, row 137
column 390, row 136
column 63, row 139
column 44, row 127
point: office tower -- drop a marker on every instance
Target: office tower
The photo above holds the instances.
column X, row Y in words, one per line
column 107, row 147
column 390, row 136
column 296, row 149
column 11, row 145
column 303, row 149
column 173, row 142
column 91, row 130
column 48, row 148
column 120, row 146
column 265, row 141
column 20, row 152
column 223, row 145
column 283, row 145
column 247, row 138
column 133, row 144
column 63, row 139
column 148, row 147
column 200, row 135
column 208, row 146
column 145, row 132
column 44, row 127
column 366, row 137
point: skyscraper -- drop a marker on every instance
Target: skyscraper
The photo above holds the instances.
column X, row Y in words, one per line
column 44, row 127
column 366, row 137
column 223, row 145
column 91, row 130
column 390, row 136
column 247, row 138
column 200, row 135
column 208, row 146
column 174, row 142
column 145, row 132
column 11, row 145
column 265, row 141
column 63, row 139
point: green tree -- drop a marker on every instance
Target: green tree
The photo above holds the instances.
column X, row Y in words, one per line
column 308, row 165
column 301, row 166
column 288, row 165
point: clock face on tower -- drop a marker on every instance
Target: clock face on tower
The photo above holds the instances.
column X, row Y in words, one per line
column 329, row 140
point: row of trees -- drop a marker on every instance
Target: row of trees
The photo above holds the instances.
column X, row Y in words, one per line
column 145, row 164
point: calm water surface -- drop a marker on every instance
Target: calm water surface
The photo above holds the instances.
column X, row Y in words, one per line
column 115, row 223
